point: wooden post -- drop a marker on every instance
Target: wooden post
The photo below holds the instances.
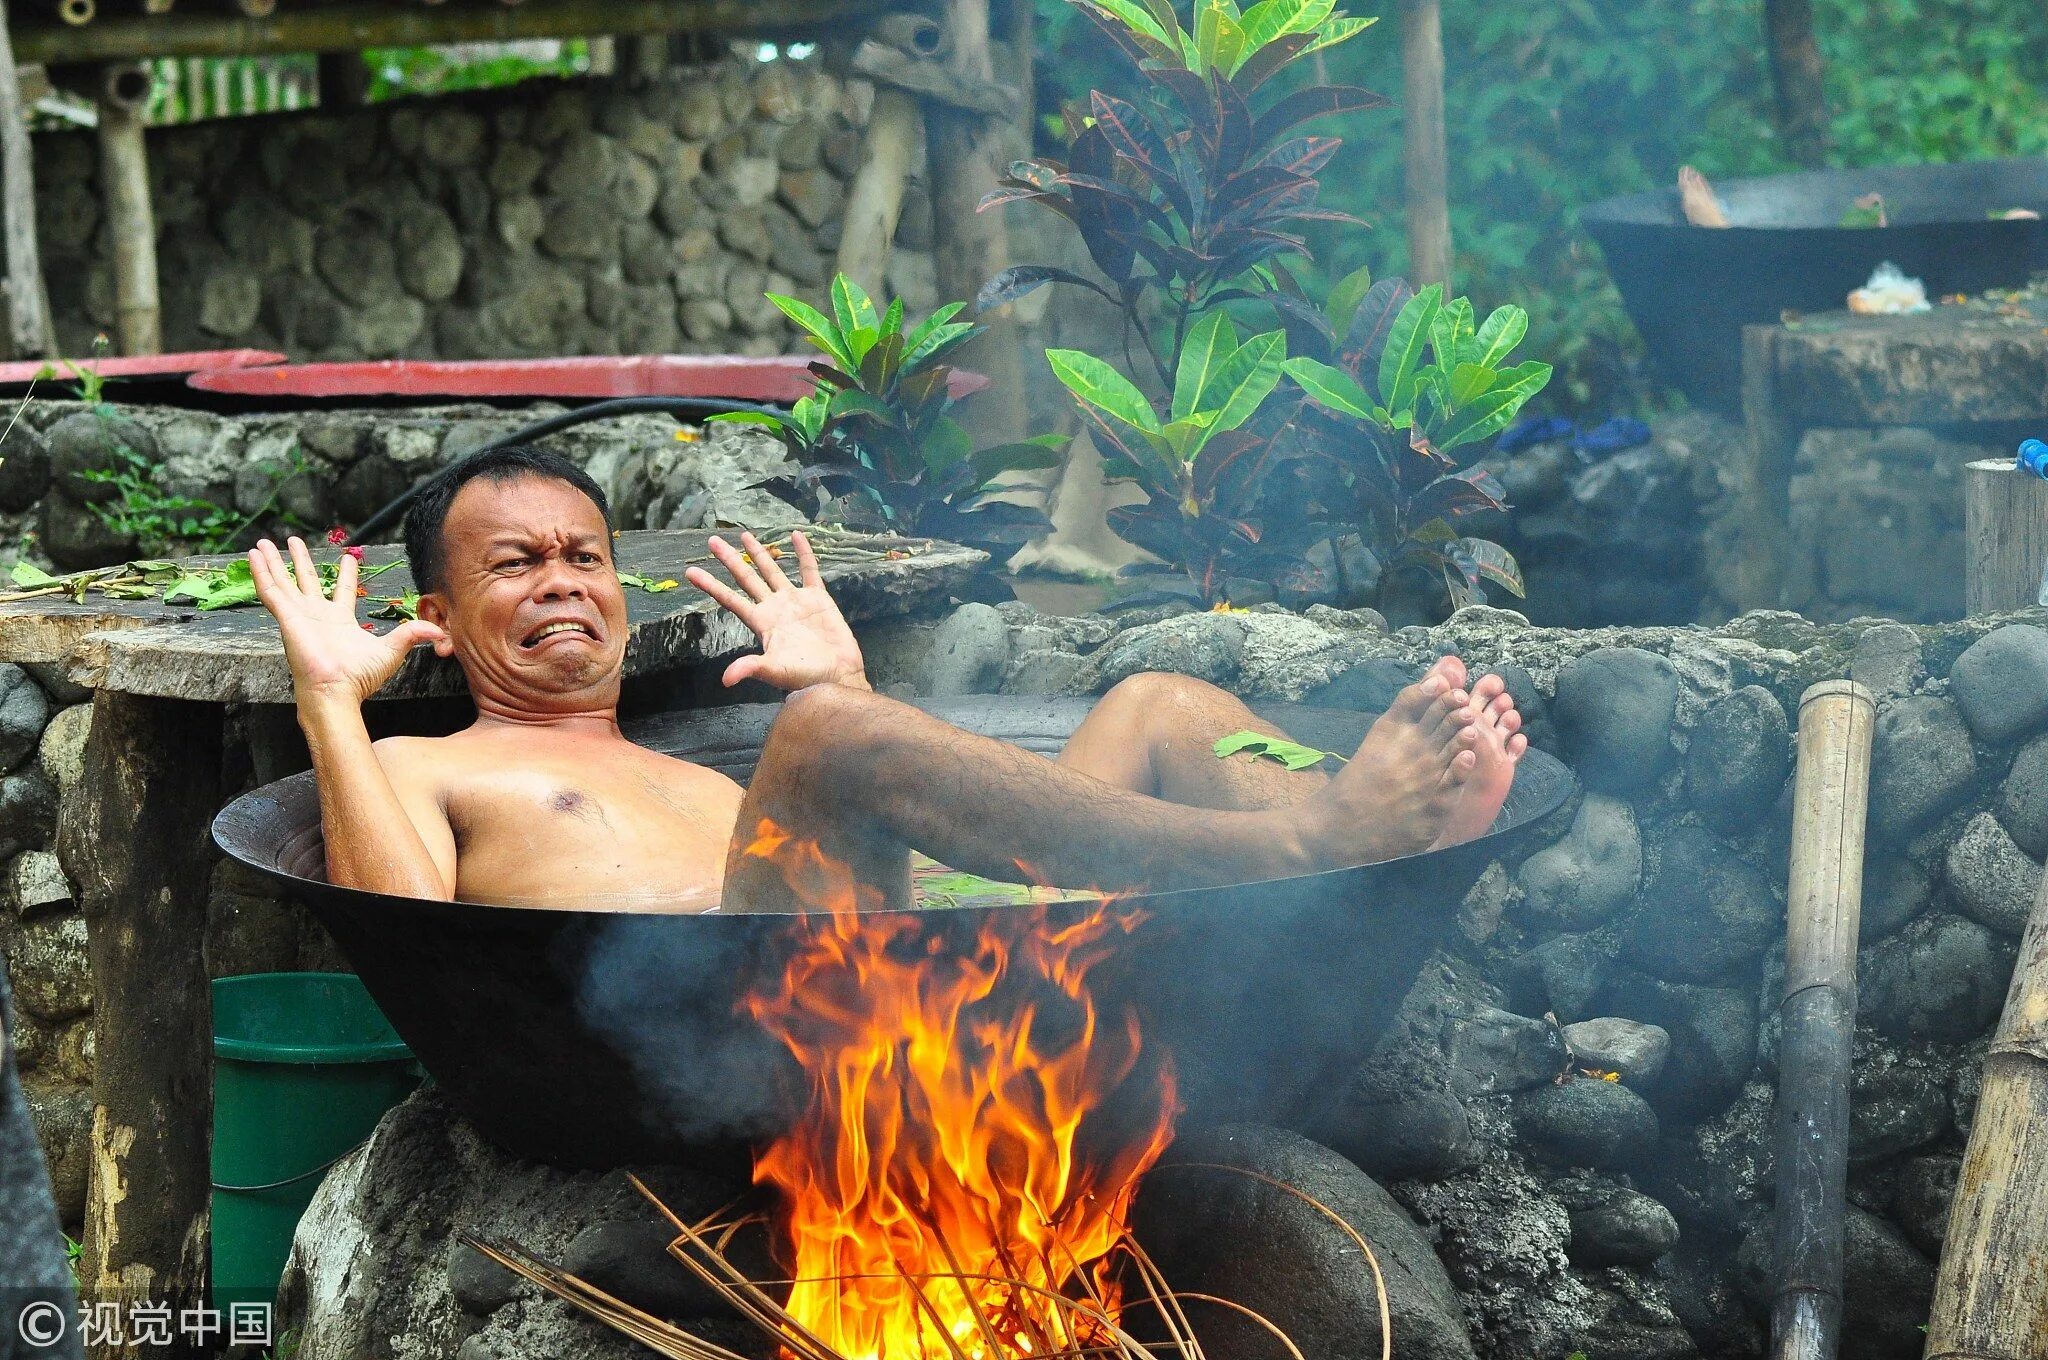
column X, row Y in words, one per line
column 131, row 223
column 1422, row 138
column 965, row 153
column 1796, row 77
column 133, row 840
column 343, row 79
column 1764, row 480
column 29, row 328
column 1990, row 1297
column 874, row 202
column 1823, row 906
column 2005, row 536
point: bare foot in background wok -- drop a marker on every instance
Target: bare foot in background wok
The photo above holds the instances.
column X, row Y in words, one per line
column 1696, row 198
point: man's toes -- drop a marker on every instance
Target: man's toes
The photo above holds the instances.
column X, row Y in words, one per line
column 1516, row 745
column 1450, row 712
column 1451, row 668
column 1509, row 722
column 1415, row 703
column 1459, row 769
column 1488, row 688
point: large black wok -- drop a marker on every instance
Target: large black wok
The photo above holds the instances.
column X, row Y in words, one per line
column 1690, row 290
column 600, row 1039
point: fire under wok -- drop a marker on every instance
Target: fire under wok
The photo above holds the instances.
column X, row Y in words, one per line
column 598, row 1038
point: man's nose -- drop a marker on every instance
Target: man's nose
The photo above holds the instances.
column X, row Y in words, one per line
column 558, row 582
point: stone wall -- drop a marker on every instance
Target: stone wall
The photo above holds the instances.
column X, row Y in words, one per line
column 1642, row 935
column 1650, row 535
column 304, row 472
column 577, row 217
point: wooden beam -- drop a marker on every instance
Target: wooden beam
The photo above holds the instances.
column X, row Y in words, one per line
column 29, row 327
column 1817, row 1009
column 1797, row 79
column 351, row 25
column 1422, row 137
column 134, row 842
column 965, row 153
column 2005, row 536
column 131, row 222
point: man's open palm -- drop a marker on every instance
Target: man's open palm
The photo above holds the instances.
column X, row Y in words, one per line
column 329, row 651
column 804, row 637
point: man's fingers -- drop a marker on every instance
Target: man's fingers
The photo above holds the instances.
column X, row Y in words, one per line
column 412, row 633
column 764, row 560
column 743, row 669
column 302, row 562
column 741, row 607
column 807, row 562
column 742, row 571
column 345, row 583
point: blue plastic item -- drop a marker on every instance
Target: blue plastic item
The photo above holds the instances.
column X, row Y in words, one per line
column 2033, row 457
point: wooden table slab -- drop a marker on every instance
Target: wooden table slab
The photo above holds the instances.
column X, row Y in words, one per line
column 145, row 647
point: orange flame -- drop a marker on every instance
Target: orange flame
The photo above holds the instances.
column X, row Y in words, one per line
column 973, row 1128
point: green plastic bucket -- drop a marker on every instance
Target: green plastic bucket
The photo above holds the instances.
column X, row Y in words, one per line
column 304, row 1067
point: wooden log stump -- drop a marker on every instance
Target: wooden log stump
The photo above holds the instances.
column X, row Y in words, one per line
column 2005, row 533
column 134, row 843
column 1764, row 479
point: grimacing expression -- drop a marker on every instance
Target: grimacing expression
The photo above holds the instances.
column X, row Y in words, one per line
column 529, row 597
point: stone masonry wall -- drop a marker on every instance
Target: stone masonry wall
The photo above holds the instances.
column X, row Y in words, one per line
column 576, row 217
column 1642, row 934
column 1649, row 535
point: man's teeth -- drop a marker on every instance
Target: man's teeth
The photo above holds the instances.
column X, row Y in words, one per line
column 554, row 628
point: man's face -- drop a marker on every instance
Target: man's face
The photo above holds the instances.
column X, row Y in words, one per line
column 530, row 600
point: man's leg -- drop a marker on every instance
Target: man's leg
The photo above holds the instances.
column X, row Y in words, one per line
column 866, row 778
column 1156, row 734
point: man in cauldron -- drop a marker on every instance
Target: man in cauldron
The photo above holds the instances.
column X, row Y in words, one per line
column 543, row 802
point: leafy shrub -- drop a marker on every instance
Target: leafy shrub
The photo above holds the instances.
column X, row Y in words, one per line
column 1552, row 107
column 1190, row 199
column 878, row 434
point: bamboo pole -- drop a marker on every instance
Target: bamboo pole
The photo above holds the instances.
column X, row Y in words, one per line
column 351, row 25
column 2005, row 536
column 28, row 308
column 1823, row 906
column 1427, row 164
column 131, row 222
column 1991, row 1295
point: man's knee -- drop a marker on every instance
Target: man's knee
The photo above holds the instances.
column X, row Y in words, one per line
column 1154, row 694
column 820, row 721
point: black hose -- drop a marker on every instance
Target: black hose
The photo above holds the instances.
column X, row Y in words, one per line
column 601, row 410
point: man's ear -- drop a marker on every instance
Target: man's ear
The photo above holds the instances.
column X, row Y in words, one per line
column 433, row 610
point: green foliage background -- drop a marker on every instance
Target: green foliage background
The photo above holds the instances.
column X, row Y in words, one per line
column 1560, row 103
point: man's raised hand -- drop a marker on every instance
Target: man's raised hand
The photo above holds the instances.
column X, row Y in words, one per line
column 332, row 656
column 804, row 637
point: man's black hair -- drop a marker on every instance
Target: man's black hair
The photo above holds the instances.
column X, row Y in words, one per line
column 427, row 516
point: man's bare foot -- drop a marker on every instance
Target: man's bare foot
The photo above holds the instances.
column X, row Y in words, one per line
column 1499, row 748
column 1696, row 199
column 1395, row 796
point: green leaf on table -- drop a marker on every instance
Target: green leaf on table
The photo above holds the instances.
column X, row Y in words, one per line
column 1292, row 754
column 29, row 576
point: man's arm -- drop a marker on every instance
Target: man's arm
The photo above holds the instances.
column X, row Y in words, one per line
column 804, row 637
column 385, row 829
column 382, row 836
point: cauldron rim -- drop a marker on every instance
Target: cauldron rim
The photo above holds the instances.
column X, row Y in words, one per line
column 233, row 825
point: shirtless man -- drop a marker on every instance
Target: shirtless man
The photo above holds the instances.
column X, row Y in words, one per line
column 542, row 802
